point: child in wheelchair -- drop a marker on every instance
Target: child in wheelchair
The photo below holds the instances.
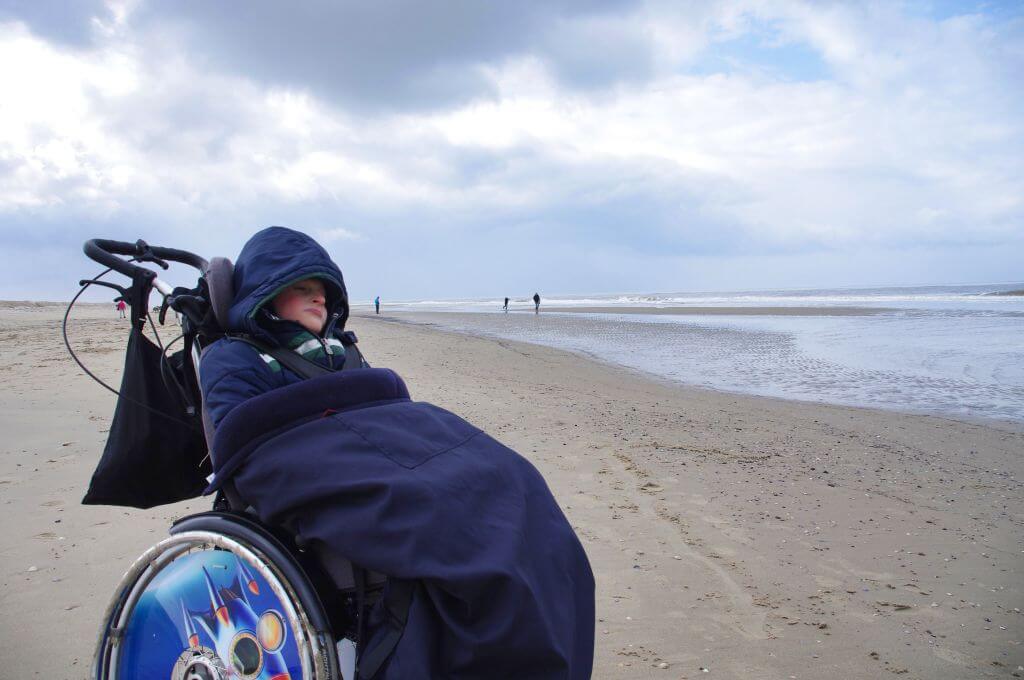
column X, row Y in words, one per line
column 485, row 576
column 289, row 294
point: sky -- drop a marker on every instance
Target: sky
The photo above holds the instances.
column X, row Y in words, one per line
column 461, row 149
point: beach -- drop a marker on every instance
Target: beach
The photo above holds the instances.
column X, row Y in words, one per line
column 723, row 311
column 731, row 535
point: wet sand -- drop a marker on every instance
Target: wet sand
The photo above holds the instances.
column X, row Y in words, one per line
column 724, row 311
column 755, row 537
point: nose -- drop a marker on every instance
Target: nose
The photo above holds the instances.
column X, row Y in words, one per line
column 319, row 298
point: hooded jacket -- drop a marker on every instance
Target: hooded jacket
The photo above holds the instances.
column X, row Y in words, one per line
column 232, row 371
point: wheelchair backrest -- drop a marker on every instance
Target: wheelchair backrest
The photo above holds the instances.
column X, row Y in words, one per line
column 220, row 282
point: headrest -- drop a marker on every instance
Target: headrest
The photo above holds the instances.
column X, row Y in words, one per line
column 222, row 290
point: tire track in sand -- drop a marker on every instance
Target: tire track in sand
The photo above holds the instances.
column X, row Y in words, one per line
column 746, row 618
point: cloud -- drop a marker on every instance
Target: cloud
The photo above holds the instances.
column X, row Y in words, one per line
column 336, row 234
column 398, row 55
column 72, row 24
column 486, row 142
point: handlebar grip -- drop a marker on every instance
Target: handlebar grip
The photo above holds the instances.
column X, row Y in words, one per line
column 105, row 251
column 182, row 256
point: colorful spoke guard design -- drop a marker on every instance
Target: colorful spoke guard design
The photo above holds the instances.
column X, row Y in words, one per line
column 209, row 609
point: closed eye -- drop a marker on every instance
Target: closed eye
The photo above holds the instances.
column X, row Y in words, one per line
column 307, row 289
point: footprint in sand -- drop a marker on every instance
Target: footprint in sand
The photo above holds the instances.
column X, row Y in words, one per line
column 751, row 623
column 954, row 657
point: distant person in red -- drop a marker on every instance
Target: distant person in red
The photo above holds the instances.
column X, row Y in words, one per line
column 536, row 303
column 121, row 306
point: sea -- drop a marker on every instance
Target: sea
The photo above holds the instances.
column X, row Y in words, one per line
column 953, row 350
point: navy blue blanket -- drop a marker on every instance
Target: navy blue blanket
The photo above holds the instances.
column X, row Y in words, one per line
column 413, row 491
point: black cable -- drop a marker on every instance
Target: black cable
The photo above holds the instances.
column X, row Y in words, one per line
column 64, row 330
column 67, row 344
column 170, row 378
column 171, row 343
column 153, row 328
column 166, row 370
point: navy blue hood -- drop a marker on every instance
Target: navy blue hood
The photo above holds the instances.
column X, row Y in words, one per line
column 273, row 259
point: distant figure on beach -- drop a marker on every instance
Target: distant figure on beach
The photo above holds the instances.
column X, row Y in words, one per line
column 121, row 306
column 506, row 305
column 536, row 303
column 376, row 304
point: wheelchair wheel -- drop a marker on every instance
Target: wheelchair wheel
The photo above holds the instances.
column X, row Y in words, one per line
column 218, row 599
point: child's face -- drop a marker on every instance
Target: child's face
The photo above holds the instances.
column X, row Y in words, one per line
column 305, row 303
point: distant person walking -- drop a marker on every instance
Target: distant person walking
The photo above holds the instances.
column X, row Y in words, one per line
column 506, row 305
column 121, row 306
column 536, row 303
column 376, row 304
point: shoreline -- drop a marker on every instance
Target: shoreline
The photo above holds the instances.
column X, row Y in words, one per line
column 726, row 311
column 753, row 536
column 672, row 384
column 793, row 522
column 421, row 318
column 676, row 310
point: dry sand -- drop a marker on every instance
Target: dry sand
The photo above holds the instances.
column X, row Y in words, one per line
column 754, row 537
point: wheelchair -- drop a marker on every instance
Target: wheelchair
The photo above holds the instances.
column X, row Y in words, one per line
column 224, row 595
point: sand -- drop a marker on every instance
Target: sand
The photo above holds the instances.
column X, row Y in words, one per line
column 722, row 311
column 753, row 537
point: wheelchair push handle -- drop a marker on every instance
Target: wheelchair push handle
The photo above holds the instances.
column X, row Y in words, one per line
column 106, row 251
